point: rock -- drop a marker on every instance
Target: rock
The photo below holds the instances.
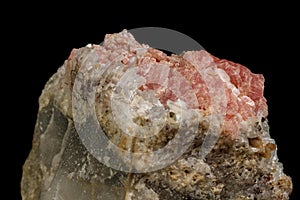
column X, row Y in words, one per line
column 126, row 121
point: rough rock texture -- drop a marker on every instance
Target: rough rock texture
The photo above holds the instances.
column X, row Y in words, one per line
column 230, row 156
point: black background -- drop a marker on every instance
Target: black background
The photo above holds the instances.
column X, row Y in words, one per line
column 37, row 41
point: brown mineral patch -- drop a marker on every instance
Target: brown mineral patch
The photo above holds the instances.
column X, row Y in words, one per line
column 256, row 142
column 268, row 149
column 285, row 184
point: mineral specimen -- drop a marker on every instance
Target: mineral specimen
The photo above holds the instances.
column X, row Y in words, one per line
column 126, row 121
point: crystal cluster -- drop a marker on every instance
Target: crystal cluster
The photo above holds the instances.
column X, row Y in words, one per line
column 123, row 120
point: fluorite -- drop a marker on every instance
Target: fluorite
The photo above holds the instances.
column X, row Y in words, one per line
column 126, row 121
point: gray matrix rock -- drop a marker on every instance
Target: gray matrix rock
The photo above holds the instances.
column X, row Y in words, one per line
column 123, row 120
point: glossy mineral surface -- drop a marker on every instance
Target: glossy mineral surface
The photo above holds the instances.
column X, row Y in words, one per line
column 189, row 126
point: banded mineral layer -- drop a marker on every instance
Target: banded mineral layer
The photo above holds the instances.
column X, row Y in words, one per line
column 124, row 120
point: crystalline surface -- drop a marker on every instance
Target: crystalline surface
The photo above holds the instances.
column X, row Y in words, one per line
column 126, row 121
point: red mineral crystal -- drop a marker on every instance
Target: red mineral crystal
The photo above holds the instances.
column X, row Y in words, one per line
column 180, row 77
